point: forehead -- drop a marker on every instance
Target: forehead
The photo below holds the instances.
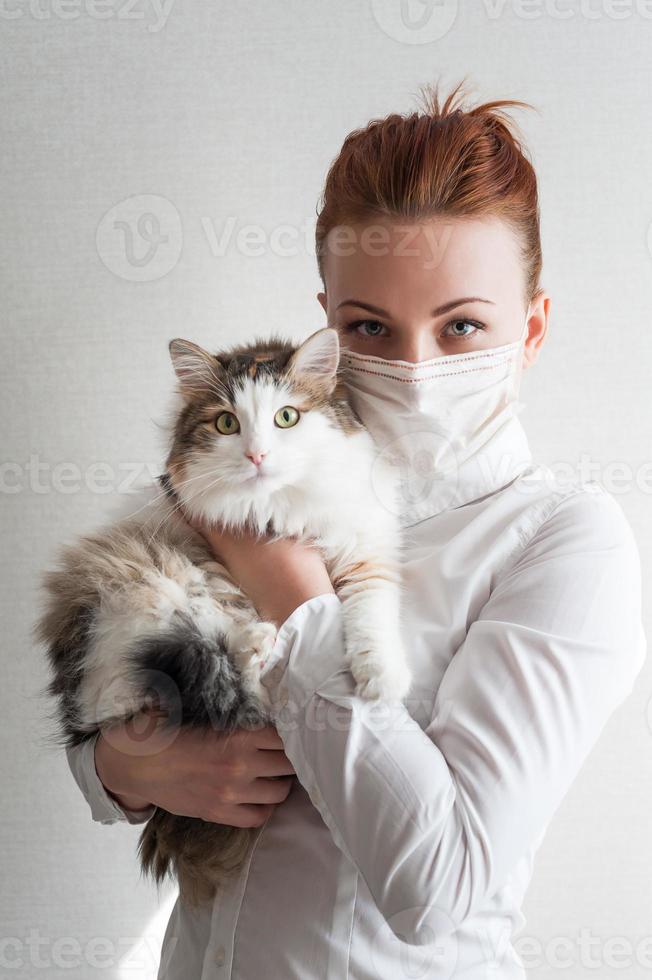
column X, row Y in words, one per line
column 397, row 262
column 262, row 395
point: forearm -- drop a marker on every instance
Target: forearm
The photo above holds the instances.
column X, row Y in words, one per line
column 381, row 785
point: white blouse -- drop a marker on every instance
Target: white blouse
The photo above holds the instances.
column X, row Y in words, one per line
column 405, row 846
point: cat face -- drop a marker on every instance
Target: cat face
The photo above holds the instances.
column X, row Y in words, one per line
column 256, row 420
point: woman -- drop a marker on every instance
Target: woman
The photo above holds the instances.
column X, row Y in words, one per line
column 405, row 845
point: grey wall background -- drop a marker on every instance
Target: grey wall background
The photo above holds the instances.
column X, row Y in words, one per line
column 220, row 120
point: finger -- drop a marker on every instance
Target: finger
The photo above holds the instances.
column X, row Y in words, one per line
column 273, row 763
column 269, row 790
column 266, row 738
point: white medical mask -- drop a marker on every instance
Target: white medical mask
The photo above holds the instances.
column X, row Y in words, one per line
column 448, row 424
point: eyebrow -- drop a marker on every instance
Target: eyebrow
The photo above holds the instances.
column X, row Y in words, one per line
column 439, row 311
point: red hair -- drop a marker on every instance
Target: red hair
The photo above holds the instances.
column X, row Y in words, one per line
column 448, row 160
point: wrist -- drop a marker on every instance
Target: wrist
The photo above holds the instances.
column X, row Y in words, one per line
column 282, row 604
column 278, row 575
column 112, row 770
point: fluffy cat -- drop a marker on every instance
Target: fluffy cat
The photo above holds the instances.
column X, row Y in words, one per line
column 264, row 438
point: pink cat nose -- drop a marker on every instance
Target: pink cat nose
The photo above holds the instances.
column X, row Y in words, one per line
column 256, row 458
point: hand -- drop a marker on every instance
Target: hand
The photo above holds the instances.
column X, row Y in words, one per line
column 219, row 777
column 278, row 574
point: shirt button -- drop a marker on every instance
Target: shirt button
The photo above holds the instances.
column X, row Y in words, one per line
column 220, row 955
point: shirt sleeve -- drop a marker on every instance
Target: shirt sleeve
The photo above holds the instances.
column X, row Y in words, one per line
column 104, row 808
column 435, row 820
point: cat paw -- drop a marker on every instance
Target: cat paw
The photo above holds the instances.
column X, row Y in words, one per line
column 250, row 647
column 256, row 641
column 380, row 681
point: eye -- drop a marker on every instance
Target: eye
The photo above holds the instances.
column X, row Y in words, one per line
column 456, row 329
column 227, row 424
column 367, row 328
column 286, row 417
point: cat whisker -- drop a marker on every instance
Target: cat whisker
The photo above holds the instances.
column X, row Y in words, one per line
column 164, row 493
column 181, row 504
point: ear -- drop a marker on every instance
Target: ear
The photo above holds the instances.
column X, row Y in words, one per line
column 537, row 328
column 196, row 369
column 318, row 356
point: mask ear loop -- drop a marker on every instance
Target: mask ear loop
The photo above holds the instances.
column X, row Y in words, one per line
column 517, row 370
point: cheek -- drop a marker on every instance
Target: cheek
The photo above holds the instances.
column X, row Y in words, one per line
column 287, row 445
column 308, row 435
column 281, row 444
column 215, row 449
column 229, row 448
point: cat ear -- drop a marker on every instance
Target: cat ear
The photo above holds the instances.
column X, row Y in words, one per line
column 318, row 356
column 196, row 369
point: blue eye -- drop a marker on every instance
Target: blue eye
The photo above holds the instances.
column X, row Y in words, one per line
column 456, row 329
column 373, row 328
column 454, row 324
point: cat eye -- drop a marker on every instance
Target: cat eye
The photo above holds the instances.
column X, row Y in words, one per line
column 286, row 417
column 227, row 423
